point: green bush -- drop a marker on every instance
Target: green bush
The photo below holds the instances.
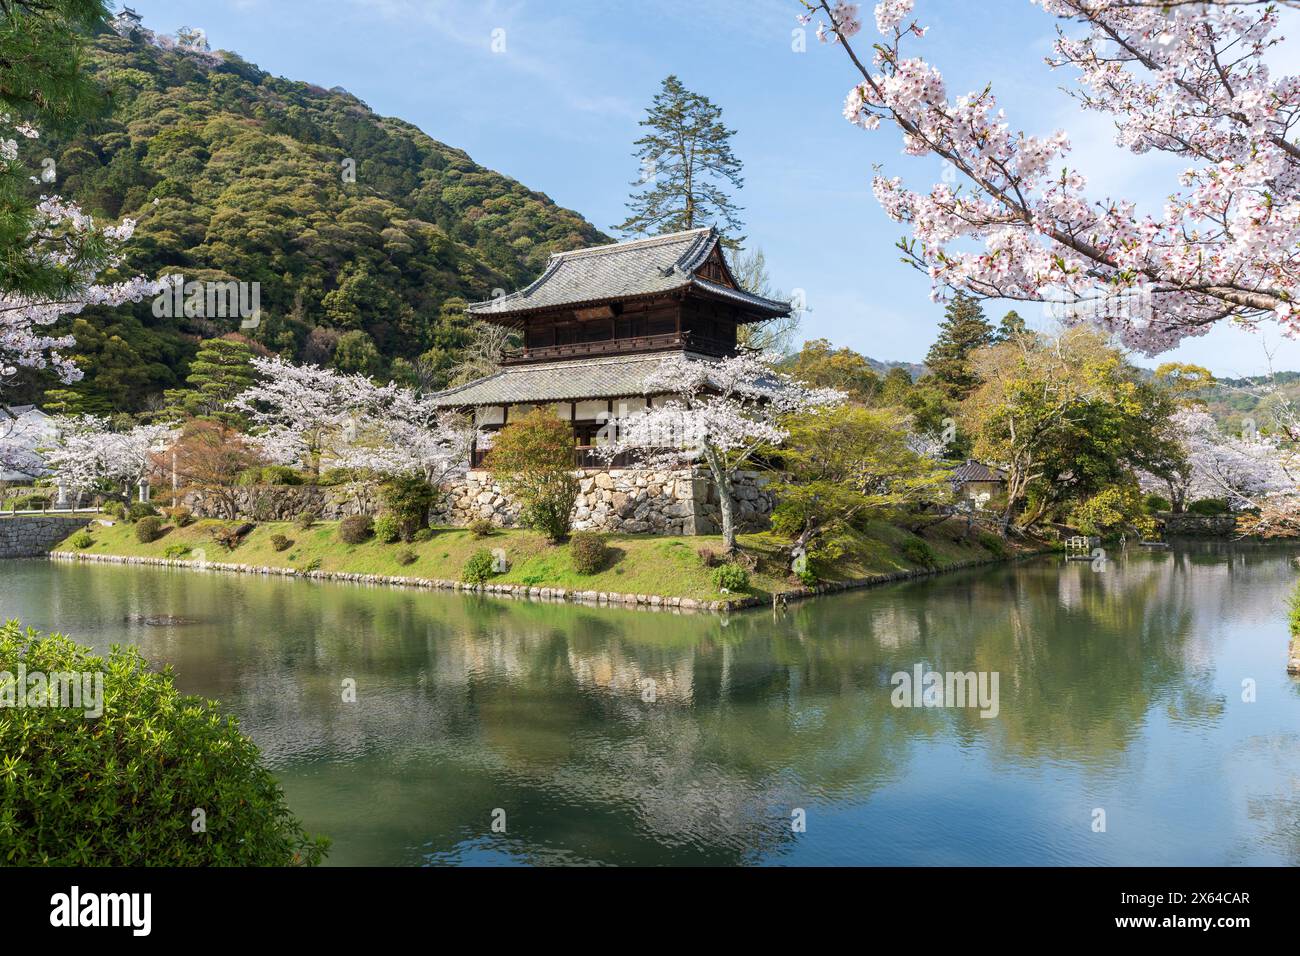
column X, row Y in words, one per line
column 992, row 544
column 82, row 540
column 356, row 529
column 280, row 475
column 115, row 509
column 407, row 556
column 409, row 500
column 122, row 788
column 339, row 476
column 305, row 520
column 1156, row 504
column 731, row 577
column 479, row 567
column 481, row 527
column 386, row 528
column 180, row 516
column 1209, row 507
column 31, row 502
column 141, row 509
column 588, row 551
column 424, row 534
column 532, row 457
column 280, row 542
column 148, row 529
column 175, row 552
column 919, row 552
column 312, row 565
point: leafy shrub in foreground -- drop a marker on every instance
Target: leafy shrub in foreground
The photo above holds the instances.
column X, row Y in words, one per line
column 121, row 789
column 1209, row 507
column 918, row 552
column 588, row 551
column 82, row 540
column 174, row 552
column 356, row 528
column 481, row 527
column 478, row 568
column 280, row 542
column 732, row 577
column 141, row 509
column 115, row 509
column 148, row 529
column 386, row 529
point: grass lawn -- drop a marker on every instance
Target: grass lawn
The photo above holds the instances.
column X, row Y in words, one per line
column 640, row 564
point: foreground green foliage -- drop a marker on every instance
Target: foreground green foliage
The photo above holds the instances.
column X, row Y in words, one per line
column 533, row 460
column 122, row 789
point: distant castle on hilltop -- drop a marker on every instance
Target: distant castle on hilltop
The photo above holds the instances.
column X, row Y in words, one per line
column 129, row 24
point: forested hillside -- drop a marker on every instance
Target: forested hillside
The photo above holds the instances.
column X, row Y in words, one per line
column 235, row 174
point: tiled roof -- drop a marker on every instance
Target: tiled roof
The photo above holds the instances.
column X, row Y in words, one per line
column 618, row 376
column 624, row 270
column 972, row 470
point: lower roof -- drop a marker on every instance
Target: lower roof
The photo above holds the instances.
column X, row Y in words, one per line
column 615, row 376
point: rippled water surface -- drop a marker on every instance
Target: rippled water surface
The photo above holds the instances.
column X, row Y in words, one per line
column 1120, row 691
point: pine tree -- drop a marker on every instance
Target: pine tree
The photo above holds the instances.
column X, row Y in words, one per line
column 219, row 372
column 1010, row 328
column 686, row 164
column 963, row 330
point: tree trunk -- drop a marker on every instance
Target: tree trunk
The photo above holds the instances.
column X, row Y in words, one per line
column 722, row 478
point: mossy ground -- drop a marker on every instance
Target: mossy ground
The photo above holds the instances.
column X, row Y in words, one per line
column 669, row 566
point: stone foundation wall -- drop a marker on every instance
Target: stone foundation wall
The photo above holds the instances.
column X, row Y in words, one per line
column 629, row 501
column 27, row 536
column 1188, row 525
column 286, row 502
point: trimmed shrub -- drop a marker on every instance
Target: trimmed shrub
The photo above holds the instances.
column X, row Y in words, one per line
column 148, row 529
column 1156, row 504
column 407, row 556
column 175, row 552
column 280, row 475
column 141, row 509
column 919, row 552
column 356, row 528
column 1209, row 507
column 82, row 540
column 588, row 551
column 480, row 527
column 119, row 789
column 992, row 543
column 731, row 577
column 115, row 509
column 479, row 567
column 386, row 529
column 305, row 520
column 409, row 500
column 424, row 534
column 280, row 542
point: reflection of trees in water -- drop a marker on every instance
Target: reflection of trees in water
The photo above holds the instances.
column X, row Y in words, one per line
column 465, row 704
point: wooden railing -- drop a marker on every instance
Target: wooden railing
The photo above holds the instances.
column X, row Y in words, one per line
column 636, row 343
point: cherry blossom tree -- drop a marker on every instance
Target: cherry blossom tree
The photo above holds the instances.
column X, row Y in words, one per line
column 1188, row 79
column 306, row 415
column 719, row 413
column 408, row 435
column 1245, row 470
column 87, row 453
column 54, row 274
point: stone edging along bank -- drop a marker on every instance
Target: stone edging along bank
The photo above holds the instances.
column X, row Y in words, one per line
column 655, row 602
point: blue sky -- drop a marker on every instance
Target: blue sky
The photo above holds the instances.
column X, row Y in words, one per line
column 558, row 110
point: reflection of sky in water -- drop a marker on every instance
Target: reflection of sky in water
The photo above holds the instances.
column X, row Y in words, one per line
column 625, row 737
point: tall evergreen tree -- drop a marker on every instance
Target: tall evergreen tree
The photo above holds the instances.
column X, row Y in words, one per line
column 963, row 330
column 220, row 371
column 1010, row 328
column 686, row 167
